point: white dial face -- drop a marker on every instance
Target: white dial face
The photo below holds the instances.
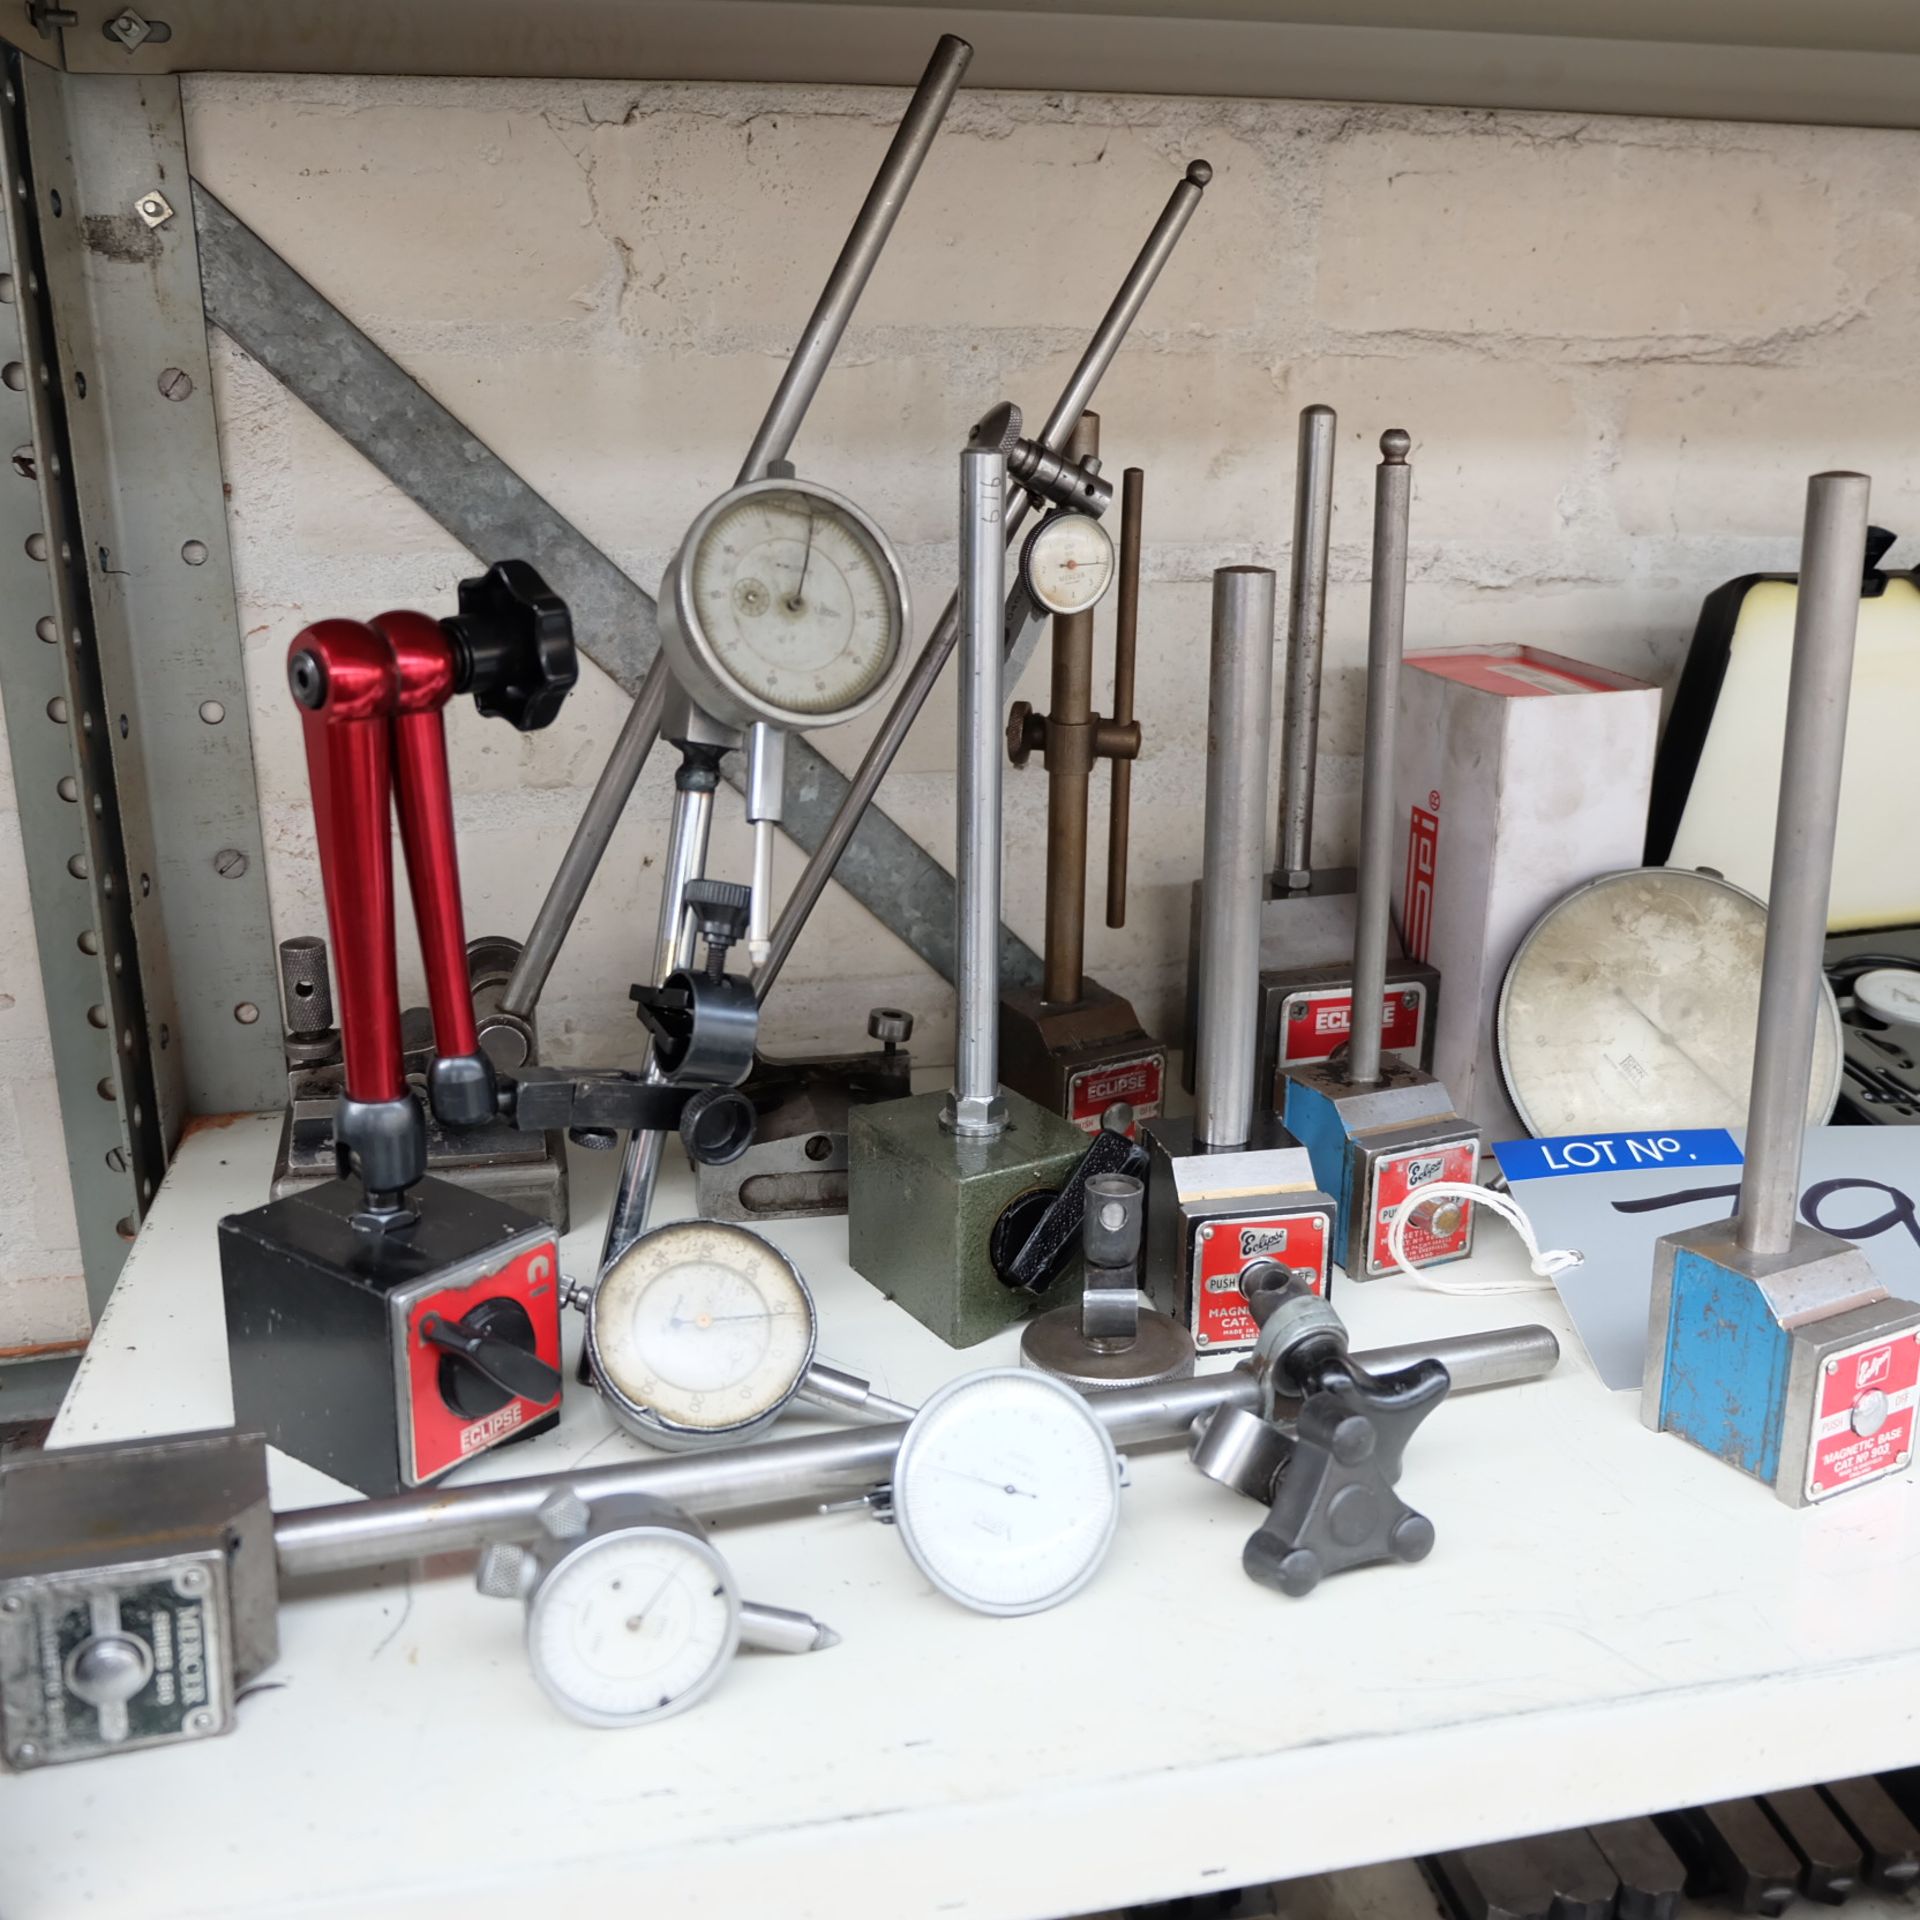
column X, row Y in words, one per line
column 796, row 601
column 1890, row 993
column 1007, row 1491
column 633, row 1625
column 1069, row 562
column 704, row 1325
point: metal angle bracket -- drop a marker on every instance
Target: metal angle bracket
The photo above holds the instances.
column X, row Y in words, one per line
column 64, row 768
column 123, row 279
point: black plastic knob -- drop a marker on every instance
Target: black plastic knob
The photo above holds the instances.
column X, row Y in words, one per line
column 513, row 646
column 488, row 1358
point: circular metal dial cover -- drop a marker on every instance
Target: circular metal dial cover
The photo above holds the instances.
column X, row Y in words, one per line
column 1006, row 1491
column 700, row 1333
column 785, row 603
column 1068, row 562
column 1633, row 1004
column 633, row 1625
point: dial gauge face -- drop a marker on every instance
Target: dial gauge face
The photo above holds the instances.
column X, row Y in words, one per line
column 633, row 1625
column 1068, row 562
column 704, row 1326
column 1891, row 994
column 1007, row 1491
column 1633, row 1004
column 792, row 605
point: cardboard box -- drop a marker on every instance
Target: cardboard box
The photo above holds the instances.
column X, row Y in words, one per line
column 1520, row 775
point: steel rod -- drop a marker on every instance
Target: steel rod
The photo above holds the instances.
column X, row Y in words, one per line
column 1306, row 639
column 819, row 339
column 974, row 1107
column 688, row 833
column 1826, row 618
column 926, row 670
column 1386, row 637
column 912, row 141
column 589, row 844
column 315, row 1541
column 1126, row 640
column 1233, row 857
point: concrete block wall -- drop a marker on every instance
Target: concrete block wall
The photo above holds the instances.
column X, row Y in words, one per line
column 1620, row 346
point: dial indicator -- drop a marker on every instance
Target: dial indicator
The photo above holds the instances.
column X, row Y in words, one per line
column 1068, row 561
column 786, row 604
column 701, row 1332
column 633, row 1625
column 1006, row 1491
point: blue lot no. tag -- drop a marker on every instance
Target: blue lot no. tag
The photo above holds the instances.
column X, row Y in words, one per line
column 1610, row 1196
column 1615, row 1153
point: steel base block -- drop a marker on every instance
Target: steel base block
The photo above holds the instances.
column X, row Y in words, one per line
column 921, row 1203
column 1371, row 1148
column 1213, row 1212
column 1797, row 1368
column 1077, row 1057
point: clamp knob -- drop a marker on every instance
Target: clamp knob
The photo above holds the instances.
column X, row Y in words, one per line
column 1334, row 1506
column 721, row 910
column 513, row 646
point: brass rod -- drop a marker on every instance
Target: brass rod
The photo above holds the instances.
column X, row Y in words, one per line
column 1133, row 488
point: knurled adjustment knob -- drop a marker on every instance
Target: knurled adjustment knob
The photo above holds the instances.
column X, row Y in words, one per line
column 997, row 431
column 513, row 646
column 720, row 910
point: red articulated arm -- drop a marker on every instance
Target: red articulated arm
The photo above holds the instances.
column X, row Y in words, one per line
column 342, row 674
column 373, row 700
column 461, row 1083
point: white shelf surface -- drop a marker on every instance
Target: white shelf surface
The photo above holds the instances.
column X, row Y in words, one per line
column 1611, row 1623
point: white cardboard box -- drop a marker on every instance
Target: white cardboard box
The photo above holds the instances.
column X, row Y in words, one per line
column 1520, row 775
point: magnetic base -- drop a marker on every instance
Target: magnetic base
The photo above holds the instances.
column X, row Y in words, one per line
column 1374, row 1146
column 1212, row 1212
column 1797, row 1368
column 921, row 1203
column 323, row 1328
column 1162, row 1349
column 1077, row 1057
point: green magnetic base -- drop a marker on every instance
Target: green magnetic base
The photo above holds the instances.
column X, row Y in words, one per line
column 921, row 1203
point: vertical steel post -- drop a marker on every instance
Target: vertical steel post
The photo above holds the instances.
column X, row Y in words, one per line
column 974, row 1107
column 1386, row 634
column 1826, row 617
column 1239, row 717
column 1306, row 636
